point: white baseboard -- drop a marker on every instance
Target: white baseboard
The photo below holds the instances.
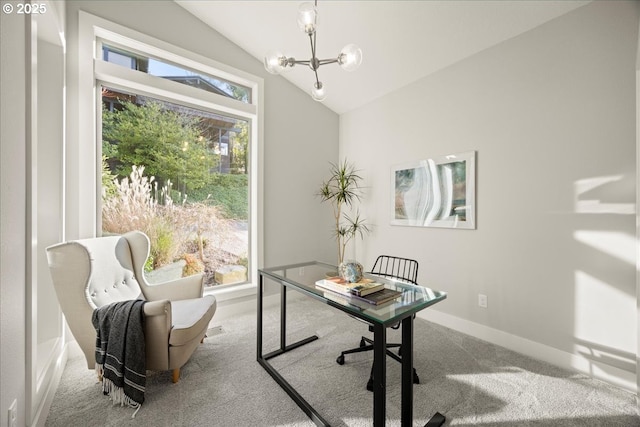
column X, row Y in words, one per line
column 56, row 368
column 601, row 371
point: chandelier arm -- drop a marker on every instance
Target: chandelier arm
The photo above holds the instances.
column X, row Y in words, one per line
column 297, row 62
column 327, row 61
column 312, row 40
column 313, row 62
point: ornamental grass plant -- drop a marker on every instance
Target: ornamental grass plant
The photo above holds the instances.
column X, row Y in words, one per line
column 187, row 230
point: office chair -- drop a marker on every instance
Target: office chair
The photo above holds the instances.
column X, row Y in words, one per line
column 404, row 270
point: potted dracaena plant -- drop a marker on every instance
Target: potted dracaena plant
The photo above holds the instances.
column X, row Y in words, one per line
column 342, row 190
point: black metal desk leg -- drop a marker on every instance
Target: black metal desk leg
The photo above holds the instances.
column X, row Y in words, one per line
column 259, row 334
column 263, row 358
column 407, row 378
column 283, row 317
column 407, row 372
column 379, row 374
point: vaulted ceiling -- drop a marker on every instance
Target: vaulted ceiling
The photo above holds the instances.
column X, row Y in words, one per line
column 402, row 41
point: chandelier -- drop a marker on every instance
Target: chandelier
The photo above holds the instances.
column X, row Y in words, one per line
column 349, row 58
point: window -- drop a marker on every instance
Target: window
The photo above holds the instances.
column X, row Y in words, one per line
column 175, row 73
column 177, row 145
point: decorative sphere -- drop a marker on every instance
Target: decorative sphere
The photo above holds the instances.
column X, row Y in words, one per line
column 351, row 271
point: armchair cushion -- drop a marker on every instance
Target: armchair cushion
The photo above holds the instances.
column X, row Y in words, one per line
column 189, row 318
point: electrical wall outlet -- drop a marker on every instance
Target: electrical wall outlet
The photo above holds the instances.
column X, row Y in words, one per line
column 13, row 414
column 482, row 300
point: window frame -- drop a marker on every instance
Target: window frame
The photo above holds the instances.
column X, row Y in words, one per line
column 93, row 31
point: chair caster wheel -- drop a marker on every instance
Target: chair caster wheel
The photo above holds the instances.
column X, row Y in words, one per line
column 362, row 343
column 370, row 385
column 340, row 360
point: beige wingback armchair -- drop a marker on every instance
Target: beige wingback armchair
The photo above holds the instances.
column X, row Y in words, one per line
column 91, row 273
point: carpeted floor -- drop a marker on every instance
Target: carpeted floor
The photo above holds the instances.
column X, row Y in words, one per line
column 469, row 381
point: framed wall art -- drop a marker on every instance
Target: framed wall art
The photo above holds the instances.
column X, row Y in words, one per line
column 438, row 192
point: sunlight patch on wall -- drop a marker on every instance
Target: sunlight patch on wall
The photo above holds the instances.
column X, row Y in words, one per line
column 595, row 301
column 588, row 193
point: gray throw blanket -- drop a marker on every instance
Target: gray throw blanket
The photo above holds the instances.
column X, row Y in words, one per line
column 120, row 351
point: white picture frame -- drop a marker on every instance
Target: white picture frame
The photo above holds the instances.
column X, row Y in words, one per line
column 438, row 192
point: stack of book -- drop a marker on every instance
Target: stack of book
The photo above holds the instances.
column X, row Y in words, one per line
column 366, row 290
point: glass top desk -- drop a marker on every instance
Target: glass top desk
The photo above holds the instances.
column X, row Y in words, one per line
column 302, row 277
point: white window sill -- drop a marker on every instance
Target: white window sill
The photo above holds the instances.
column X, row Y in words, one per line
column 228, row 293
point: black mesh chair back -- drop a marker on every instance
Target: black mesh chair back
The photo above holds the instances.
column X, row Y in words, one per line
column 397, row 268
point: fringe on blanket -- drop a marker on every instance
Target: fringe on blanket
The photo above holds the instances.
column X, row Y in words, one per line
column 116, row 393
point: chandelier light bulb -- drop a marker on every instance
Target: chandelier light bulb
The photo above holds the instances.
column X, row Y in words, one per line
column 275, row 62
column 307, row 17
column 350, row 57
column 318, row 92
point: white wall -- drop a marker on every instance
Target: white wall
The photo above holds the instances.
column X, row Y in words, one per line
column 29, row 317
column 13, row 33
column 50, row 161
column 550, row 114
column 638, row 212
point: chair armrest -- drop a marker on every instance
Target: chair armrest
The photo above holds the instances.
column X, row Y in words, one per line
column 183, row 288
column 157, row 328
column 157, row 308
